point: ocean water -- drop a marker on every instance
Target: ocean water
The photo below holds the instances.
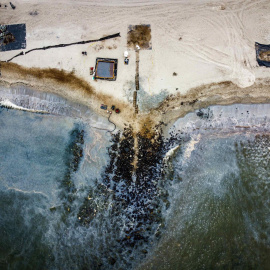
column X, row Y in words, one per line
column 220, row 211
column 219, row 192
column 216, row 177
column 32, row 160
column 37, row 231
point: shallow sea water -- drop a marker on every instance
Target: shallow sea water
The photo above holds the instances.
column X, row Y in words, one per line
column 220, row 206
column 36, row 230
column 32, row 150
column 219, row 192
column 217, row 181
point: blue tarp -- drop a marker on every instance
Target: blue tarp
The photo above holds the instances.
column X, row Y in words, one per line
column 19, row 32
column 105, row 69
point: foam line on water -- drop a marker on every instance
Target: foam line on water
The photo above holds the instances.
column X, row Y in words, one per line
column 24, row 98
column 234, row 118
column 170, row 153
column 8, row 104
column 27, row 192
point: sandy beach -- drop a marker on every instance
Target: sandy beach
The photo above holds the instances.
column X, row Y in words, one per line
column 202, row 53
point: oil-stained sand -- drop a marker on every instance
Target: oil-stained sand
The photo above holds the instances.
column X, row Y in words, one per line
column 139, row 35
column 71, row 87
column 67, row 85
column 265, row 56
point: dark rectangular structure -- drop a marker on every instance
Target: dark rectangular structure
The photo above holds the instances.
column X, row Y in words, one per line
column 18, row 31
column 262, row 54
column 106, row 69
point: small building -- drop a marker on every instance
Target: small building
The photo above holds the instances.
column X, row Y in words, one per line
column 106, row 69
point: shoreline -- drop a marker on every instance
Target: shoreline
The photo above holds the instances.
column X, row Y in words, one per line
column 76, row 90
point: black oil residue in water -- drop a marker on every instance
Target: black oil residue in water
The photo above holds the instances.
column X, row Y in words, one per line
column 65, row 204
column 131, row 196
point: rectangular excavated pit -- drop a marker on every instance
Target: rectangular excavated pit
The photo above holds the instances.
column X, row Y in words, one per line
column 139, row 35
column 106, row 69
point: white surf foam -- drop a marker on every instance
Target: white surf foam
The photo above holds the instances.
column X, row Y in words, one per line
column 8, row 104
